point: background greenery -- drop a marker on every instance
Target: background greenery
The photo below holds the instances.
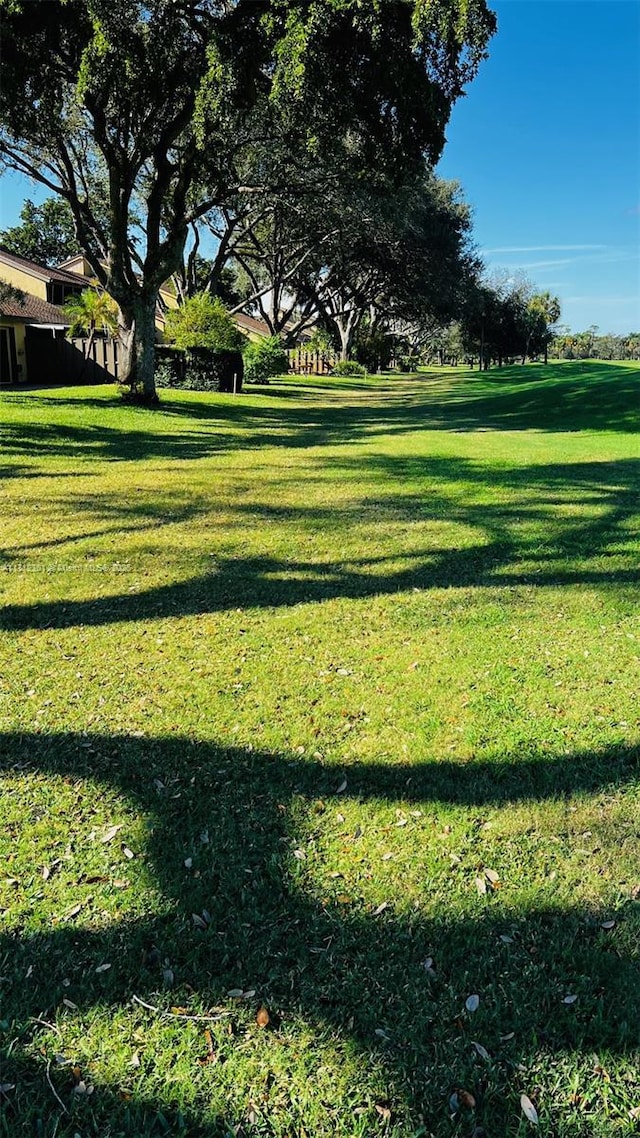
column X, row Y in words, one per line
column 352, row 665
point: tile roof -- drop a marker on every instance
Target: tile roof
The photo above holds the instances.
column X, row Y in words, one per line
column 33, row 310
column 39, row 271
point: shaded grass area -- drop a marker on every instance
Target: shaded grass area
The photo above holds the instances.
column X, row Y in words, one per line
column 353, row 668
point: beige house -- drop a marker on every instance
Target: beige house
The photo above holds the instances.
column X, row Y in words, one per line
column 30, row 318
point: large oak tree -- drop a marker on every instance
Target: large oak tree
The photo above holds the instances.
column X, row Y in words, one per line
column 155, row 106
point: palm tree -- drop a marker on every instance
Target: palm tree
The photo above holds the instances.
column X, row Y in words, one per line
column 89, row 313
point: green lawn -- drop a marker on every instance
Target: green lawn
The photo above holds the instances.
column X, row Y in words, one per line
column 353, row 666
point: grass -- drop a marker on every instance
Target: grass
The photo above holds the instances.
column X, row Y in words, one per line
column 353, row 667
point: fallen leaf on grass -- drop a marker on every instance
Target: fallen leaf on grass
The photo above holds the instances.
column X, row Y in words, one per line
column 263, row 1018
column 528, row 1109
column 607, row 925
column 343, row 786
column 472, row 1003
column 6, row 1087
column 482, row 1051
column 199, row 922
column 384, row 1110
column 72, row 912
column 481, row 886
column 103, row 968
column 211, row 1056
column 128, row 853
column 70, row 1004
column 381, row 908
column 110, row 834
column 569, row 999
column 461, row 1098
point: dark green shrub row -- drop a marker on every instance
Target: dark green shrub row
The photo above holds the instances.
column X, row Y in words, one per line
column 199, row 369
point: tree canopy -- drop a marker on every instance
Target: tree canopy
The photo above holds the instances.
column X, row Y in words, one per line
column 46, row 233
column 155, row 109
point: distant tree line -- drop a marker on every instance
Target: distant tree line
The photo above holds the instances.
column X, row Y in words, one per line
column 592, row 345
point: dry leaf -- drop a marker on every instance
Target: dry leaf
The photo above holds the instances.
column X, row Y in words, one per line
column 110, row 834
column 235, row 993
column 198, row 921
column 472, row 1003
column 506, row 939
column 482, row 1051
column 128, row 853
column 211, row 1056
column 188, row 862
column 263, row 1018
column 466, row 1099
column 528, row 1109
column 570, row 999
column 607, row 924
column 384, row 1111
column 73, row 912
column 343, row 786
column 381, row 1033
column 493, row 877
column 103, row 968
column 481, row 886
column 509, row 1035
column 70, row 1004
column 381, row 908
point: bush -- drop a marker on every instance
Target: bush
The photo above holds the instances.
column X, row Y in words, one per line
column 348, row 367
column 203, row 322
column 199, row 369
column 264, row 359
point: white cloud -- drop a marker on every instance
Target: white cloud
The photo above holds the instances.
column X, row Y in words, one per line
column 543, row 248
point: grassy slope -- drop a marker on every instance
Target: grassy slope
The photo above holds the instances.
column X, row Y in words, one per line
column 218, row 614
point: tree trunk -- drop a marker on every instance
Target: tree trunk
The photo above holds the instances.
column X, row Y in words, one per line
column 138, row 338
column 344, row 331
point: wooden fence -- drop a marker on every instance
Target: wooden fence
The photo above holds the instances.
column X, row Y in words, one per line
column 55, row 359
column 302, row 362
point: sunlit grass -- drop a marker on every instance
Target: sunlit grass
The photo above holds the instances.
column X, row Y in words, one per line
column 353, row 666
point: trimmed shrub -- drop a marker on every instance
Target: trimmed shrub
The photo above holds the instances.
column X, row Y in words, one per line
column 203, row 322
column 348, row 367
column 264, row 359
column 199, row 369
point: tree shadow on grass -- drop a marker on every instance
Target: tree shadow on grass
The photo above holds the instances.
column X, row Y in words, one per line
column 559, row 525
column 278, row 925
column 597, row 397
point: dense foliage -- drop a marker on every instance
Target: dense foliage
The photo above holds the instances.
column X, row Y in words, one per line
column 202, row 321
column 264, row 359
column 164, row 108
column 46, row 233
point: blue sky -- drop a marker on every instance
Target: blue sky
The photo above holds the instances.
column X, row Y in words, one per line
column 547, row 148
